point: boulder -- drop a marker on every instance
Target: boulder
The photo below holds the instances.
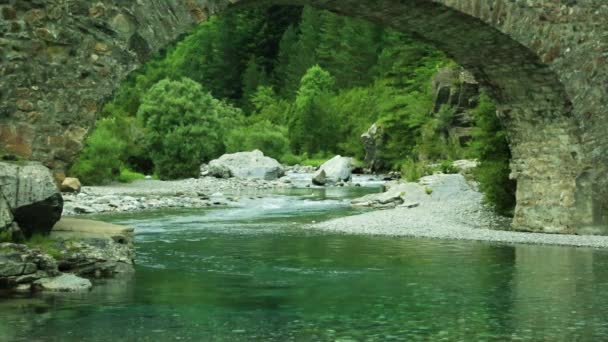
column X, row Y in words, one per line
column 246, row 165
column 336, row 169
column 64, row 283
column 71, row 184
column 30, row 193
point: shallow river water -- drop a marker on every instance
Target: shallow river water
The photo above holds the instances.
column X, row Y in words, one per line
column 251, row 273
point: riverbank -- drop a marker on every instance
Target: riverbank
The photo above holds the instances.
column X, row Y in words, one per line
column 453, row 211
column 191, row 193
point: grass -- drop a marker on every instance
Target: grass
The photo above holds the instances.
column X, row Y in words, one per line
column 129, row 176
column 45, row 244
column 6, row 236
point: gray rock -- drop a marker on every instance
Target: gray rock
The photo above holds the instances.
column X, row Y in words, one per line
column 319, row 178
column 64, row 283
column 32, row 196
column 246, row 165
column 336, row 169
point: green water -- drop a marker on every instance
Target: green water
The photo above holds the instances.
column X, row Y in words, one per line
column 253, row 274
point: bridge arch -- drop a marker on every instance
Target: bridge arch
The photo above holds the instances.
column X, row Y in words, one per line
column 545, row 62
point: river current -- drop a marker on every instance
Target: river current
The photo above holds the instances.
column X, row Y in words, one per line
column 255, row 273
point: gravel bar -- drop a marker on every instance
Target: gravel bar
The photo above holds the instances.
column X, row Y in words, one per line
column 454, row 211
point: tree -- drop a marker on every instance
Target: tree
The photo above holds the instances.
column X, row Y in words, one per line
column 311, row 123
column 253, row 77
column 184, row 127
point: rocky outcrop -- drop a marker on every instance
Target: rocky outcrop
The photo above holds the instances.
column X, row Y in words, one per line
column 75, row 249
column 20, row 266
column 31, row 194
column 457, row 91
column 337, row 169
column 373, row 143
column 246, row 165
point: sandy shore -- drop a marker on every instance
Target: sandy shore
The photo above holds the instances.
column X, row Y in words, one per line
column 454, row 211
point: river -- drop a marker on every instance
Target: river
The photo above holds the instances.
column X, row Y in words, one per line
column 253, row 273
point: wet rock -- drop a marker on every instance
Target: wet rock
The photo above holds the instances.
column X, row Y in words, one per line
column 64, row 283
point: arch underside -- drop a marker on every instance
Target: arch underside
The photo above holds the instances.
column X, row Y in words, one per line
column 57, row 86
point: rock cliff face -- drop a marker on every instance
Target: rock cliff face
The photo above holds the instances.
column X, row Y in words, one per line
column 544, row 62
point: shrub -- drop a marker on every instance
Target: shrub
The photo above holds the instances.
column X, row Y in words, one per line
column 290, row 159
column 263, row 135
column 490, row 145
column 494, row 182
column 129, row 176
column 100, row 161
column 184, row 127
column 412, row 170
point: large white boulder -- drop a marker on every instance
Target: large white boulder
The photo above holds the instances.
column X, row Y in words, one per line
column 246, row 165
column 337, row 169
column 31, row 195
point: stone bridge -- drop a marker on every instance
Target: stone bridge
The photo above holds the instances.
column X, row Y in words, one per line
column 544, row 61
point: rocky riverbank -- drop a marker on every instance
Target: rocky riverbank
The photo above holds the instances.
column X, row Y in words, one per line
column 75, row 252
column 442, row 207
column 155, row 194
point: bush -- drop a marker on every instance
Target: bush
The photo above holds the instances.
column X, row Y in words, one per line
column 100, row 161
column 490, row 145
column 290, row 159
column 185, row 126
column 412, row 170
column 129, row 176
column 494, row 182
column 263, row 135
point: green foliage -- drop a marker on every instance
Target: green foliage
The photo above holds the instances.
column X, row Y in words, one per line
column 129, row 176
column 412, row 170
column 6, row 236
column 262, row 135
column 490, row 145
column 101, row 159
column 45, row 244
column 311, row 128
column 183, row 127
column 310, row 82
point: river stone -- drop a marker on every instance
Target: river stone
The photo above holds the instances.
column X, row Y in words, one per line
column 336, row 169
column 246, row 165
column 64, row 283
column 71, row 184
column 32, row 196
